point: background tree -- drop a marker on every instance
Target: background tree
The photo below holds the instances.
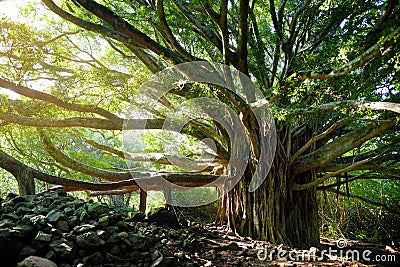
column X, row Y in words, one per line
column 329, row 69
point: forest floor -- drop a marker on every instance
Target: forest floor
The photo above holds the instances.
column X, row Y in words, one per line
column 220, row 248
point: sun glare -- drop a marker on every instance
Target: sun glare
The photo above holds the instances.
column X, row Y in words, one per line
column 9, row 8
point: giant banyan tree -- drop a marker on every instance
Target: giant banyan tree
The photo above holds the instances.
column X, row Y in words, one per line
column 313, row 86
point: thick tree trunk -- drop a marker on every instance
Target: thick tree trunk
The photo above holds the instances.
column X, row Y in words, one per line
column 274, row 212
column 302, row 222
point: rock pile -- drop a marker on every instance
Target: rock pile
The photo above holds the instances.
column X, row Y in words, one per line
column 73, row 232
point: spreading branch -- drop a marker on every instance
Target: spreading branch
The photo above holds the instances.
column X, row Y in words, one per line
column 121, row 26
column 161, row 158
column 152, row 180
column 377, row 50
column 94, row 123
column 319, row 137
column 364, row 176
column 168, row 33
column 151, row 62
column 366, row 200
column 33, row 94
column 340, row 145
column 298, row 187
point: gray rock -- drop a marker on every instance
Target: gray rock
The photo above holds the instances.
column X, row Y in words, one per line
column 170, row 262
column 104, row 220
column 72, row 221
column 23, row 231
column 138, row 216
column 63, row 226
column 165, row 262
column 97, row 209
column 103, row 234
column 134, row 255
column 6, row 223
column 189, row 243
column 38, row 220
column 116, row 251
column 41, row 240
column 122, row 225
column 57, row 205
column 51, row 255
column 84, row 228
column 40, row 210
column 29, row 199
column 35, row 261
column 139, row 241
column 213, row 253
column 154, row 255
column 55, row 232
column 23, row 210
column 82, row 214
column 94, row 259
column 69, row 236
column 180, row 255
column 113, row 239
column 10, row 216
column 123, row 235
column 77, row 203
column 62, row 247
column 68, row 210
column 164, row 217
column 89, row 239
column 111, row 229
column 54, row 216
column 17, row 200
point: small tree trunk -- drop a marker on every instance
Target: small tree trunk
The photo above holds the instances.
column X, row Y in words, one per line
column 26, row 182
column 143, row 200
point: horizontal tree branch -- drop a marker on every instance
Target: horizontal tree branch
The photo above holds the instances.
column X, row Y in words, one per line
column 78, row 166
column 357, row 104
column 364, row 176
column 373, row 166
column 109, row 192
column 203, row 165
column 366, row 200
column 298, row 187
column 152, row 181
column 146, row 177
column 319, row 137
column 340, row 145
column 94, row 123
column 33, row 94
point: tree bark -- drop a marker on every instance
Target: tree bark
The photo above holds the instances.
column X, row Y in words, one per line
column 24, row 176
column 274, row 212
column 26, row 182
